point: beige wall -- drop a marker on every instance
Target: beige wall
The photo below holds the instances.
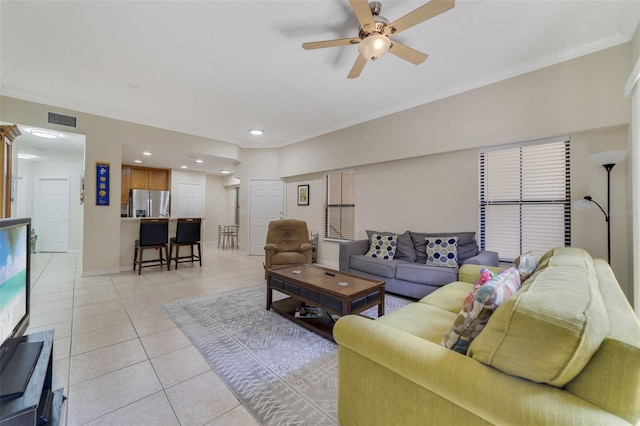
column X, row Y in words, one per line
column 215, row 207
column 577, row 95
column 407, row 150
column 633, row 175
column 104, row 139
column 589, row 228
column 440, row 193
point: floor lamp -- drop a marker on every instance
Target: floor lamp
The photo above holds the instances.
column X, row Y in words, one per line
column 608, row 159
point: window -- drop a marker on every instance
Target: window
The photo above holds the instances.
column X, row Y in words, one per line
column 340, row 205
column 525, row 198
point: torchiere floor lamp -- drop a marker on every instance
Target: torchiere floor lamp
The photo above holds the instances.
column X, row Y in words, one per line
column 608, row 160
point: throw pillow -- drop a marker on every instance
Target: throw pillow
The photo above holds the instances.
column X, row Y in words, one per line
column 442, row 251
column 404, row 247
column 478, row 307
column 526, row 264
column 383, row 246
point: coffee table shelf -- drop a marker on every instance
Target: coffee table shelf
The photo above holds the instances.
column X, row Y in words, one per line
column 313, row 285
column 287, row 307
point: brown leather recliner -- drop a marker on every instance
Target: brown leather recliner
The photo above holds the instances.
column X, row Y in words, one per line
column 287, row 244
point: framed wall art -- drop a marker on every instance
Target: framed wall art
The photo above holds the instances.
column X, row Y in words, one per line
column 303, row 195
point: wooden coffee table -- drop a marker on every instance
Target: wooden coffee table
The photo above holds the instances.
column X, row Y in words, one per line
column 313, row 285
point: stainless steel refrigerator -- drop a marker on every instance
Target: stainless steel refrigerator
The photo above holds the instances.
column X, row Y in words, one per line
column 149, row 203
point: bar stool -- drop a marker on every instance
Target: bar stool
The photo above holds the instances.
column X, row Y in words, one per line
column 232, row 236
column 228, row 236
column 187, row 234
column 154, row 234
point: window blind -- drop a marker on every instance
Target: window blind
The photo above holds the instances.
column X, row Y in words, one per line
column 525, row 199
column 340, row 205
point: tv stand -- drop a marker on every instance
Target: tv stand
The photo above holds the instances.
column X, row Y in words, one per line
column 39, row 404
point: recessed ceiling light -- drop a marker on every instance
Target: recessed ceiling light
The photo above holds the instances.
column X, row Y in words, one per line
column 44, row 134
column 199, row 161
column 137, row 161
column 256, row 132
column 26, row 156
column 183, row 167
column 225, row 172
column 146, row 153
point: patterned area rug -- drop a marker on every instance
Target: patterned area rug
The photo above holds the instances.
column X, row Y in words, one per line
column 281, row 372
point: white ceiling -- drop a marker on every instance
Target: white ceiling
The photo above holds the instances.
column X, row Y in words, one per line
column 218, row 68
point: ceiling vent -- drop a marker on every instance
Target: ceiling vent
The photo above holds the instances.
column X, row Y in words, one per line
column 62, row 119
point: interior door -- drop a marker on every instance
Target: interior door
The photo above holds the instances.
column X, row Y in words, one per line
column 52, row 214
column 266, row 203
column 188, row 199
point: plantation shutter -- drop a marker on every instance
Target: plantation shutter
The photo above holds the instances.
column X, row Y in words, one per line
column 525, row 198
column 340, row 205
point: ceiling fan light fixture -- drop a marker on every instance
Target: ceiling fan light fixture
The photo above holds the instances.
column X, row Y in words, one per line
column 374, row 46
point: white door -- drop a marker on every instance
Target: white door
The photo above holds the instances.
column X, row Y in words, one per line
column 266, row 203
column 188, row 200
column 52, row 210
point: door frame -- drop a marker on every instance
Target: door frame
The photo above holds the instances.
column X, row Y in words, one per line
column 37, row 204
column 250, row 205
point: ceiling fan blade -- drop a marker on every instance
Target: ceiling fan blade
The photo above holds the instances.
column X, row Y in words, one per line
column 330, row 43
column 363, row 12
column 408, row 54
column 357, row 67
column 421, row 14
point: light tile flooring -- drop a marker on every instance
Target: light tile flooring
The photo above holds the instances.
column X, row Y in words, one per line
column 119, row 358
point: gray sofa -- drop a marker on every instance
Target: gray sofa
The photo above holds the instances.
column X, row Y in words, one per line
column 407, row 273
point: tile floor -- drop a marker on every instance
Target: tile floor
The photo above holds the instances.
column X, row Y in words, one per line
column 120, row 359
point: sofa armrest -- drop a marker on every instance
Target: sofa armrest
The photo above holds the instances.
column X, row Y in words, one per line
column 369, row 345
column 348, row 248
column 489, row 258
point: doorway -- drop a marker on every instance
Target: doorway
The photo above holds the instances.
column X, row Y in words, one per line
column 34, row 159
column 266, row 203
column 52, row 214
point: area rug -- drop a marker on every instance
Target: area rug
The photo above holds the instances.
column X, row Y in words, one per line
column 281, row 372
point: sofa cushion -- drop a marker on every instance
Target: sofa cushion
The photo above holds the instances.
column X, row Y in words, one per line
column 380, row 267
column 548, row 331
column 382, row 246
column 408, row 319
column 404, row 248
column 467, row 246
column 425, row 274
column 478, row 307
column 442, row 251
column 448, row 297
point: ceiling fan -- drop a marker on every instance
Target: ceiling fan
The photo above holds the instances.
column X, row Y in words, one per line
column 374, row 37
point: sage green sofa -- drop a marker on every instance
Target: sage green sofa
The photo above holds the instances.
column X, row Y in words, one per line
column 563, row 350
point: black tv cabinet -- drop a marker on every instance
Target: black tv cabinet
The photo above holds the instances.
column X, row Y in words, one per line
column 26, row 409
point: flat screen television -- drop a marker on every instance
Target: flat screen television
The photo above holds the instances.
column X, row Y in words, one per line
column 15, row 283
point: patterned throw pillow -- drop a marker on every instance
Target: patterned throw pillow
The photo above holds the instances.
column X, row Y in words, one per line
column 526, row 264
column 478, row 307
column 383, row 246
column 442, row 251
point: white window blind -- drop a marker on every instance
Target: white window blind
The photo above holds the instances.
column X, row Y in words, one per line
column 525, row 199
column 340, row 205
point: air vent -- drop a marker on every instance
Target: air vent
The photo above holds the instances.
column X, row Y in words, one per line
column 62, row 120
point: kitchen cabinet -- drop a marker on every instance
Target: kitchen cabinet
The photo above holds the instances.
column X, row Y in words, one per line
column 143, row 178
column 125, row 185
column 158, row 179
column 147, row 178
